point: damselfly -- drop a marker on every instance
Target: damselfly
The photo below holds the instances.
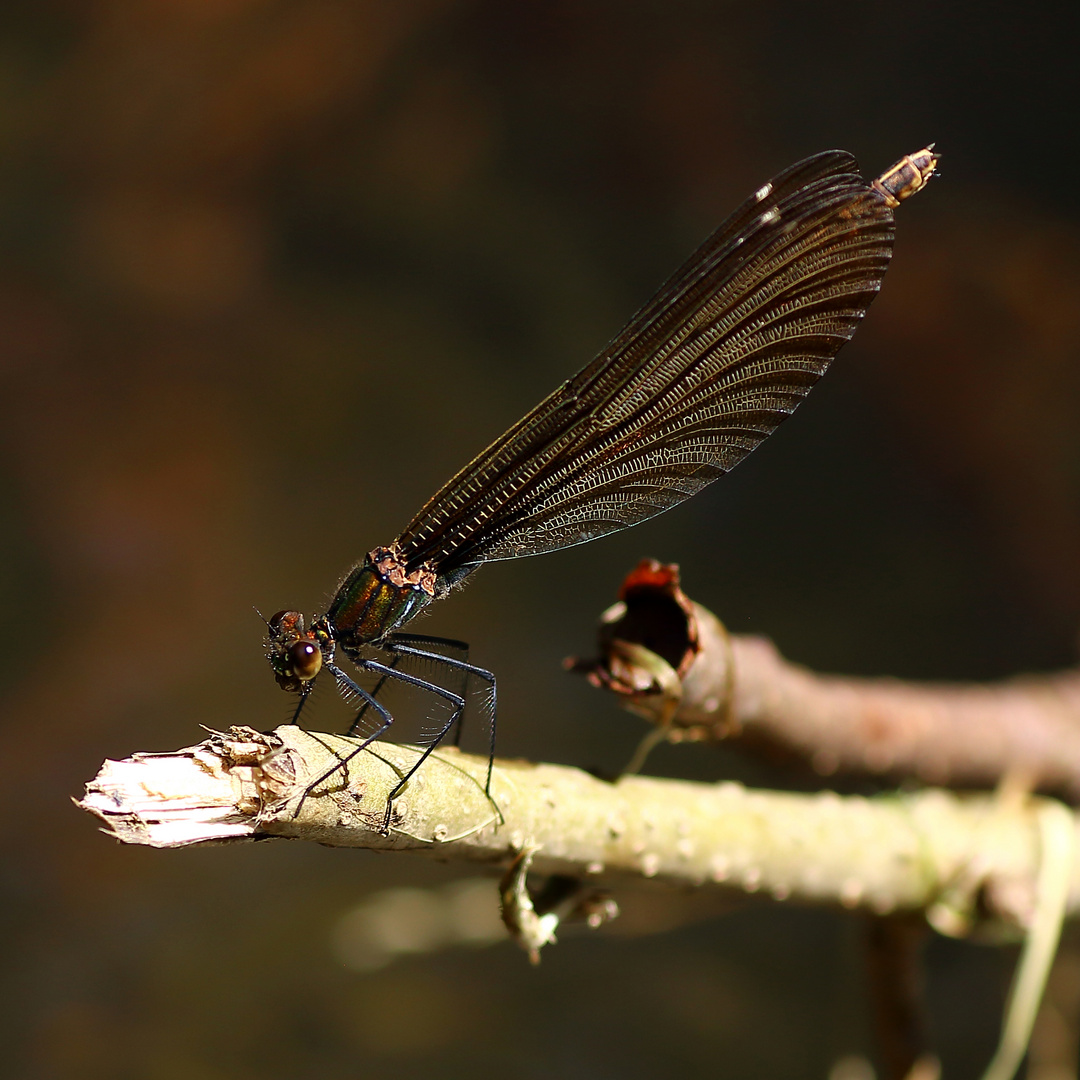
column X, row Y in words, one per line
column 703, row 373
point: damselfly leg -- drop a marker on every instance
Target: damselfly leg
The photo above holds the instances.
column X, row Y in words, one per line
column 416, row 641
column 349, row 689
column 460, row 647
column 402, row 648
column 407, row 645
column 444, row 648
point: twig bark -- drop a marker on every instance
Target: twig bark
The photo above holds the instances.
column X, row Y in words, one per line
column 960, row 859
column 894, row 965
column 671, row 660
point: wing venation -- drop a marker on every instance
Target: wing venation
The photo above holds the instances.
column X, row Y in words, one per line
column 701, row 375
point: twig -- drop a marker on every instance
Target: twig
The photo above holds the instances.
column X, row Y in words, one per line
column 658, row 648
column 959, row 859
column 894, row 949
column 1058, row 830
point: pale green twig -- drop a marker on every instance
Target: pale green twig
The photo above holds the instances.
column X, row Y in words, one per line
column 929, row 850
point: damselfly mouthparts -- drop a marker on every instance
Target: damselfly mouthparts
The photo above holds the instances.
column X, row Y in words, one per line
column 698, row 378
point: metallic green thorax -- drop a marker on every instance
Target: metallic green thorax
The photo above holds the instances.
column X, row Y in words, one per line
column 377, row 598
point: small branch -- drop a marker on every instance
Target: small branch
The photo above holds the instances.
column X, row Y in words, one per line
column 929, row 850
column 671, row 660
column 894, row 965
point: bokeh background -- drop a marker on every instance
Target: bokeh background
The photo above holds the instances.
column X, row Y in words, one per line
column 270, row 272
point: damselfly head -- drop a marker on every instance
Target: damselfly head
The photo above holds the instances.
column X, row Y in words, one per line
column 295, row 654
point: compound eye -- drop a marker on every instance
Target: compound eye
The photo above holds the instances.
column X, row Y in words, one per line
column 305, row 657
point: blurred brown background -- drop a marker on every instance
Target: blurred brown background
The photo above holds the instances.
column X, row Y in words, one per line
column 270, row 272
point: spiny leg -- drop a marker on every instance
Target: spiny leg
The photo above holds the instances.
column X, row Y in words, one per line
column 347, row 684
column 304, row 693
column 456, row 700
column 394, row 645
column 369, row 697
column 461, row 647
column 427, row 639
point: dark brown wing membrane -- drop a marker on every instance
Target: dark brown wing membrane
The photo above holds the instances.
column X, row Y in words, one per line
column 699, row 377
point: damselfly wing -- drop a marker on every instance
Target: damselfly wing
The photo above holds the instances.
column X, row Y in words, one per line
column 702, row 374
